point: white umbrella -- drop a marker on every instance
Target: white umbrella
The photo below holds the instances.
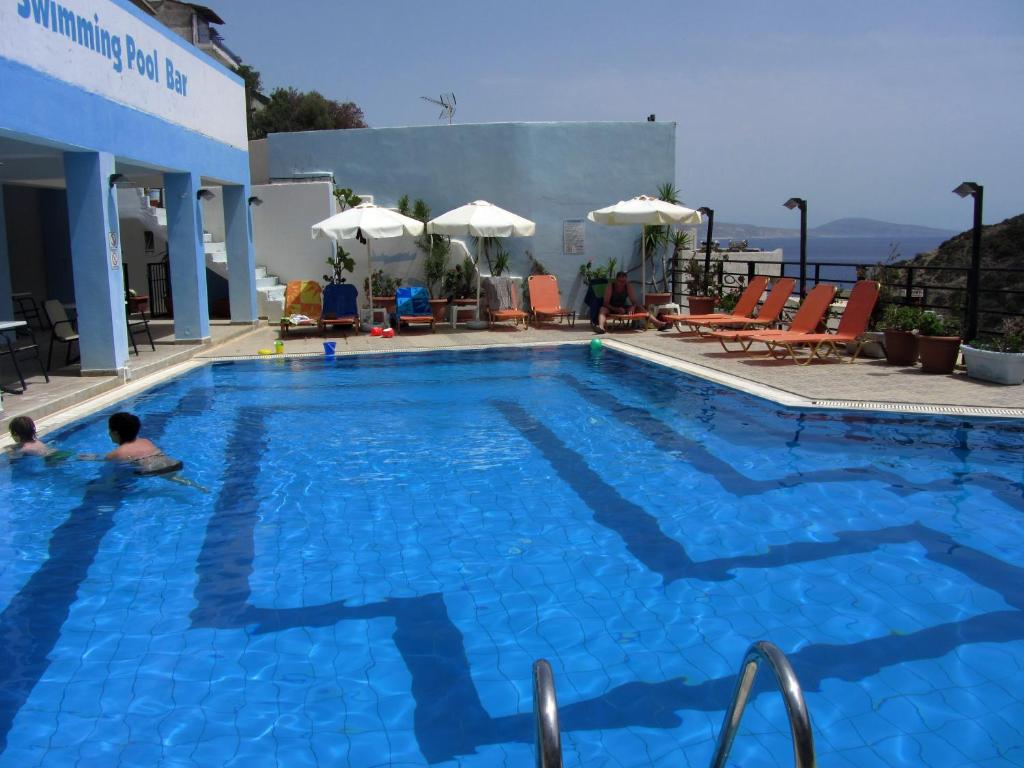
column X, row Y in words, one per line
column 644, row 210
column 371, row 222
column 480, row 219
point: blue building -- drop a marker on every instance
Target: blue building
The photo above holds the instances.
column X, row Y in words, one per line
column 97, row 94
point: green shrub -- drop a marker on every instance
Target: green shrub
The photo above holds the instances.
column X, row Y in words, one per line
column 1011, row 340
column 934, row 324
column 899, row 317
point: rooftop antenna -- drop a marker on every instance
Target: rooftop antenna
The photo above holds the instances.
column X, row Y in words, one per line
column 446, row 103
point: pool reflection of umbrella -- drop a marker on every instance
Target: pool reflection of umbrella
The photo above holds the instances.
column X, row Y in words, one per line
column 480, row 219
column 369, row 222
column 644, row 210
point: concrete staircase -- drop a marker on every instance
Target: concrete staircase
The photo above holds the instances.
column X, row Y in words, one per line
column 269, row 290
column 269, row 295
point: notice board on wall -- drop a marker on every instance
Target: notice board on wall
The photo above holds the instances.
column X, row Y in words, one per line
column 572, row 237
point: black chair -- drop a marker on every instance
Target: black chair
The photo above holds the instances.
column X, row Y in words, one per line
column 137, row 323
column 12, row 349
column 64, row 330
column 25, row 306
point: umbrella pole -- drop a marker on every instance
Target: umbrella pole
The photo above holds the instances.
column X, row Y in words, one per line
column 478, row 278
column 643, row 265
column 369, row 282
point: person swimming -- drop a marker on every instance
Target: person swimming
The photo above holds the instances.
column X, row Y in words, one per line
column 26, row 442
column 142, row 454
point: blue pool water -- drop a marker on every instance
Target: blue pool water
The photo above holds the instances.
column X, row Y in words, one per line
column 389, row 542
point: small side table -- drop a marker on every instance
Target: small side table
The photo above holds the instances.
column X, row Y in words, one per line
column 454, row 310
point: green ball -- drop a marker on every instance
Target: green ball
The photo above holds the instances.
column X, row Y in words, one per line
column 595, row 343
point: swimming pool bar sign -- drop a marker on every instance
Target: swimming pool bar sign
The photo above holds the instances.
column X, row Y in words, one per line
column 107, row 50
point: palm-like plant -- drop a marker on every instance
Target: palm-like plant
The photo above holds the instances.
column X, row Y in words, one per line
column 659, row 239
column 436, row 248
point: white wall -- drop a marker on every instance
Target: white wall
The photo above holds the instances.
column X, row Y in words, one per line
column 282, row 225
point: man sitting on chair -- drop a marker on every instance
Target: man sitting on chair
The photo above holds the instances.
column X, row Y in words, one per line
column 619, row 299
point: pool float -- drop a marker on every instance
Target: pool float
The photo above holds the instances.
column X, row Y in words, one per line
column 265, row 351
column 158, row 464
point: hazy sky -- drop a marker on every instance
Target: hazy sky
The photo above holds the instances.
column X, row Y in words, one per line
column 875, row 108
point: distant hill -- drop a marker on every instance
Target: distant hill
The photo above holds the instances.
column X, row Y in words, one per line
column 875, row 228
column 851, row 227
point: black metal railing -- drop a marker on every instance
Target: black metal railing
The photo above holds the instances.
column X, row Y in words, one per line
column 939, row 288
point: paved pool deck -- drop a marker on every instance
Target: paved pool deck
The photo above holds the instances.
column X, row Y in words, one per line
column 865, row 384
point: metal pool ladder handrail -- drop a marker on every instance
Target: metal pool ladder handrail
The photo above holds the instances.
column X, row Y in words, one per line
column 792, row 695
column 545, row 710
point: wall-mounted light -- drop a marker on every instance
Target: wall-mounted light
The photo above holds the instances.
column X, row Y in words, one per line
column 114, row 178
column 255, row 201
column 205, row 194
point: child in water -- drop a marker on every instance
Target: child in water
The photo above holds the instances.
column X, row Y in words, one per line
column 26, row 443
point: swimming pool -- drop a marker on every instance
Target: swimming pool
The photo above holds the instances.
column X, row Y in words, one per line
column 390, row 541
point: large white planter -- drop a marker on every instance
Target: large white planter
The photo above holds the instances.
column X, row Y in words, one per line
column 872, row 345
column 999, row 367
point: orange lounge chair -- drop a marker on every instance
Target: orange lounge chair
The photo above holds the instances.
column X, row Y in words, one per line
column 302, row 301
column 852, row 326
column 546, row 302
column 744, row 309
column 806, row 320
column 502, row 304
column 767, row 315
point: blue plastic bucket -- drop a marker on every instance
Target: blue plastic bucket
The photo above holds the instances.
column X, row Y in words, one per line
column 329, row 349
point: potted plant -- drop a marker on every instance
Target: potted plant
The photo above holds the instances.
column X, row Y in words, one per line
column 701, row 295
column 938, row 342
column 899, row 323
column 459, row 284
column 1000, row 361
column 384, row 289
column 886, row 275
column 436, row 250
column 340, row 263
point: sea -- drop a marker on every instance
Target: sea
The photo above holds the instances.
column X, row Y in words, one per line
column 842, row 251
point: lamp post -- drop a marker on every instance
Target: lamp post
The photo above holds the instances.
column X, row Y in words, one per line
column 710, row 213
column 799, row 202
column 976, row 191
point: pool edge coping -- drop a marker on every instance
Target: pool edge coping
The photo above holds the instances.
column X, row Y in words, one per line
column 773, row 394
column 793, row 400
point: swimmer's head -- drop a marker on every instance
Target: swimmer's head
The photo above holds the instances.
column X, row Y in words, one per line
column 22, row 429
column 124, row 427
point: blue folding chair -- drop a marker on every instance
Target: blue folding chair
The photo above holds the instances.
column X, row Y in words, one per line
column 412, row 306
column 340, row 308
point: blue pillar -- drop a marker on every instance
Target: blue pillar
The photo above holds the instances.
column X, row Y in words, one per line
column 241, row 256
column 96, row 262
column 188, row 260
column 6, row 307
